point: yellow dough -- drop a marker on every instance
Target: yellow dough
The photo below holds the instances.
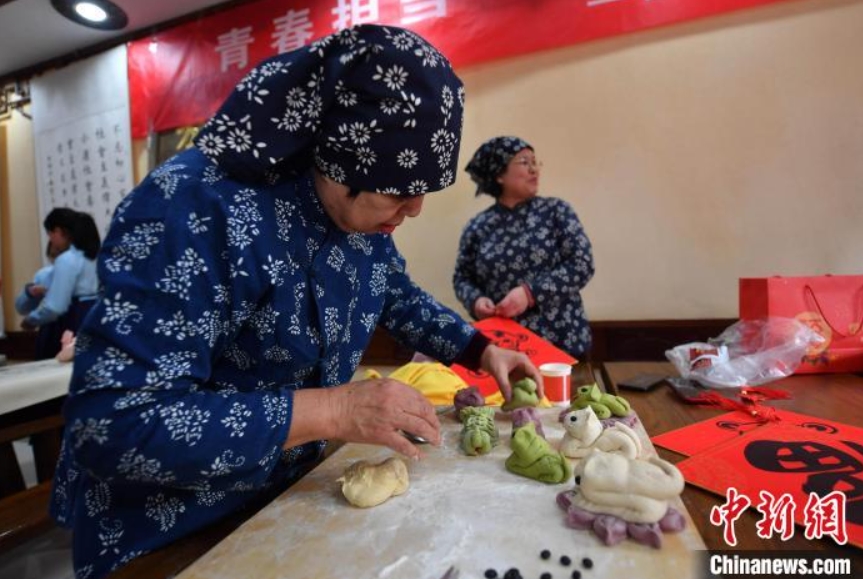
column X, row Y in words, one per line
column 368, row 485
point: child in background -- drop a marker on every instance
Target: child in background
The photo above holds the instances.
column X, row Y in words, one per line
column 33, row 292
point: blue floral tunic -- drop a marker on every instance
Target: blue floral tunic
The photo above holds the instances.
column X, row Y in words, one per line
column 227, row 288
column 218, row 305
column 542, row 243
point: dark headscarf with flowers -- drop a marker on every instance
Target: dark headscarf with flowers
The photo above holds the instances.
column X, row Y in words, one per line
column 490, row 160
column 374, row 108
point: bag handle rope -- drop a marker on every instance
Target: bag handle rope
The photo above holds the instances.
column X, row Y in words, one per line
column 809, row 292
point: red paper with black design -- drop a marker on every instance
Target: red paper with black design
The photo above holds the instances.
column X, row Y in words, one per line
column 511, row 335
column 782, row 458
column 701, row 436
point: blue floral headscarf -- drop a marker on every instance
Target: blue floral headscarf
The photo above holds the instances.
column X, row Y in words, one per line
column 374, row 108
column 490, row 160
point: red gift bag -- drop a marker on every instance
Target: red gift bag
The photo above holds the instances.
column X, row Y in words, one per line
column 832, row 305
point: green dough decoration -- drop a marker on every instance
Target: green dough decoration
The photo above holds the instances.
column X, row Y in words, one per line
column 604, row 405
column 523, row 395
column 533, row 457
column 479, row 433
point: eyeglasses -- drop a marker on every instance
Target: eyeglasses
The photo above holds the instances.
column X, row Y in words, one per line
column 528, row 163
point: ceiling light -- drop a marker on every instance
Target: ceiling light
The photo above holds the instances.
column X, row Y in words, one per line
column 90, row 11
column 101, row 14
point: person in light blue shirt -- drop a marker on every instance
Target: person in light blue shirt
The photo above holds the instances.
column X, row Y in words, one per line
column 74, row 282
column 33, row 292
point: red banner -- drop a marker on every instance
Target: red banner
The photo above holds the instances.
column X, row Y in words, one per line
column 180, row 76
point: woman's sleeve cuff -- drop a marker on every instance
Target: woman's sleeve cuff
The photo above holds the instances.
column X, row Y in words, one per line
column 471, row 356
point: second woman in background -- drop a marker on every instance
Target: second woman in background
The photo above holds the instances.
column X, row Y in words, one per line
column 74, row 284
column 526, row 257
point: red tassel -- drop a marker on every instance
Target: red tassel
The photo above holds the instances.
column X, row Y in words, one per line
column 762, row 393
column 749, row 405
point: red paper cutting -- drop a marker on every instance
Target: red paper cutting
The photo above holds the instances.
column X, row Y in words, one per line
column 512, row 336
column 698, row 437
column 784, row 458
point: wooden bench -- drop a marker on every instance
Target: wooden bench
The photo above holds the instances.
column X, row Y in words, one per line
column 24, row 511
column 24, row 516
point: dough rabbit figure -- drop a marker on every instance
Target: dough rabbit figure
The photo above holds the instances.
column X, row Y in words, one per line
column 584, row 432
column 637, row 491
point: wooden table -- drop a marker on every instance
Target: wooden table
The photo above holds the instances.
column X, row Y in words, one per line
column 837, row 397
column 31, row 383
column 468, row 512
column 31, row 397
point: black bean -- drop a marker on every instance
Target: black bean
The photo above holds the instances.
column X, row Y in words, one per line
column 512, row 574
column 545, row 576
column 490, row 574
column 546, row 554
column 587, row 562
column 576, row 574
column 565, row 561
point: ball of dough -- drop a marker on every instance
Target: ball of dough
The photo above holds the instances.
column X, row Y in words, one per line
column 368, row 485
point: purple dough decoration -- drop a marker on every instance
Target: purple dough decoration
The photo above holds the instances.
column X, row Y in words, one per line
column 469, row 396
column 564, row 499
column 630, row 420
column 611, row 530
column 672, row 521
column 580, row 519
column 521, row 416
column 645, row 533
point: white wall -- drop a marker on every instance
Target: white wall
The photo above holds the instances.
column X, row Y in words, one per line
column 694, row 154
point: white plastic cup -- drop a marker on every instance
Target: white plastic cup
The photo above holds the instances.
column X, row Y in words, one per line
column 556, row 381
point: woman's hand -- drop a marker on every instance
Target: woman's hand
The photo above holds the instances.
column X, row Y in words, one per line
column 37, row 291
column 483, row 308
column 514, row 303
column 504, row 365
column 369, row 411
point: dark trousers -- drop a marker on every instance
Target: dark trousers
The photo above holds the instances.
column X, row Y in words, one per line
column 48, row 339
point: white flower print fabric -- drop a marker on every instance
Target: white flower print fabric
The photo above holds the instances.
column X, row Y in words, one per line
column 542, row 243
column 375, row 108
column 224, row 294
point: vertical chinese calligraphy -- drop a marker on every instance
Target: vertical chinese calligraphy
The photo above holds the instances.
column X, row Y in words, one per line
column 83, row 140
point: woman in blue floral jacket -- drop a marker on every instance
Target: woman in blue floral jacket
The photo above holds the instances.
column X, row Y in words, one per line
column 242, row 282
column 526, row 257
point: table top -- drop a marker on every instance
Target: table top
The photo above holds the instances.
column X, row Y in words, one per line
column 837, row 397
column 29, row 383
column 465, row 511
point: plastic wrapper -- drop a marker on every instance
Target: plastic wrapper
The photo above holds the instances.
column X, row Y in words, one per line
column 747, row 353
